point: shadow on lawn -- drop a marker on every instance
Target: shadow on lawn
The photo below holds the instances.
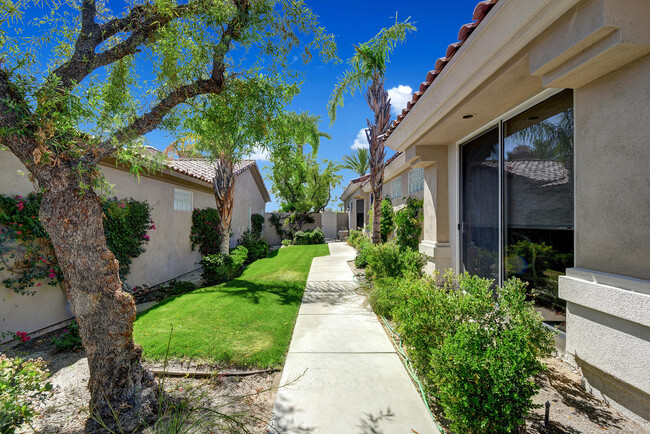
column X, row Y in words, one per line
column 288, row 292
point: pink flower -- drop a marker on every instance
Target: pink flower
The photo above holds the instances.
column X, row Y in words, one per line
column 20, row 206
column 121, row 205
column 40, row 284
column 153, row 227
column 52, row 274
column 19, row 233
column 23, row 336
column 19, row 197
column 146, row 237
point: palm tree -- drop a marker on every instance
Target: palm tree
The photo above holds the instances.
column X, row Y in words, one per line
column 358, row 161
column 369, row 65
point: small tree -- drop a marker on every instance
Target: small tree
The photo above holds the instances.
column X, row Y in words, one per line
column 225, row 128
column 369, row 64
column 302, row 183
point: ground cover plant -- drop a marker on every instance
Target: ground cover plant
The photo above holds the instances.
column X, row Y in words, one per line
column 245, row 322
column 21, row 383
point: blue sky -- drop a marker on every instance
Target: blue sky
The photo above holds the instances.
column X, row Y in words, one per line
column 353, row 22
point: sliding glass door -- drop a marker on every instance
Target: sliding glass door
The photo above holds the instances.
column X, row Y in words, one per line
column 480, row 205
column 527, row 230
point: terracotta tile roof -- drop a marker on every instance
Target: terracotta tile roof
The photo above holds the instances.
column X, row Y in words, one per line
column 393, row 158
column 360, row 179
column 480, row 11
column 202, row 169
column 546, row 172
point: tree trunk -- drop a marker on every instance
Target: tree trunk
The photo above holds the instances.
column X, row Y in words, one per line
column 379, row 103
column 123, row 393
column 224, row 194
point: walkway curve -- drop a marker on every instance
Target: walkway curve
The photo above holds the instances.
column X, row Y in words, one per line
column 349, row 377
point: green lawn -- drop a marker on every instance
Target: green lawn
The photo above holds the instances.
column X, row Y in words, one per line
column 245, row 322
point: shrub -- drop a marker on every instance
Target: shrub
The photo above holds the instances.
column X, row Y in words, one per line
column 276, row 220
column 177, row 287
column 256, row 246
column 286, row 242
column 361, row 261
column 219, row 267
column 477, row 346
column 70, row 339
column 126, row 223
column 355, row 237
column 21, row 383
column 389, row 260
column 311, row 236
column 205, row 233
column 408, row 223
column 257, row 224
column 386, row 223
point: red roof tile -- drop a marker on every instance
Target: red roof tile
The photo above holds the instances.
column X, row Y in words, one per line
column 480, row 11
column 201, row 168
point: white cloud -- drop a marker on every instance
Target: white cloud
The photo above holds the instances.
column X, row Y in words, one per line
column 399, row 96
column 259, row 153
column 360, row 141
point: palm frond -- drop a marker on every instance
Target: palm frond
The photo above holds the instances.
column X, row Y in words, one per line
column 358, row 162
column 368, row 62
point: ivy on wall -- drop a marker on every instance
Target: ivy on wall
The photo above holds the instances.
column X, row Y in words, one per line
column 26, row 250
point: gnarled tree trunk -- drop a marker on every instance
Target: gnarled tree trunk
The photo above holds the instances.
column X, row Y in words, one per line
column 379, row 103
column 123, row 393
column 224, row 195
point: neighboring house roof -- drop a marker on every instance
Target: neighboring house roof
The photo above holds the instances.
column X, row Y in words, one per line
column 200, row 168
column 480, row 11
column 546, row 172
column 363, row 180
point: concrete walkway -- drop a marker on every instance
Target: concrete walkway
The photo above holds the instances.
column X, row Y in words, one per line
column 351, row 375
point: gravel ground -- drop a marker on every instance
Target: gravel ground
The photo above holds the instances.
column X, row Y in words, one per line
column 249, row 399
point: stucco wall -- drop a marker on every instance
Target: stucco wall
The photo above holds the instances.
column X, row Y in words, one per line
column 248, row 201
column 167, row 255
column 613, row 172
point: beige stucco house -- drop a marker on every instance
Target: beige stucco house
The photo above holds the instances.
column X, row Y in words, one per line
column 532, row 131
column 185, row 184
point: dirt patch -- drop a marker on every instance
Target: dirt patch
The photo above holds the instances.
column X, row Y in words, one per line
column 573, row 410
column 209, row 402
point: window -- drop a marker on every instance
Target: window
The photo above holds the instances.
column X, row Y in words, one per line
column 517, row 201
column 182, row 200
column 416, row 180
column 397, row 188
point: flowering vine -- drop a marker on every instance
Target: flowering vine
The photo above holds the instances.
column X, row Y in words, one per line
column 26, row 251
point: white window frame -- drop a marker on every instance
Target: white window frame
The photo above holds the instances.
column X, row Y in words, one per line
column 183, row 200
column 397, row 192
column 416, row 180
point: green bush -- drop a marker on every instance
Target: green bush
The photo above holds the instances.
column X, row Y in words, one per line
column 389, row 260
column 286, row 242
column 177, row 287
column 311, row 236
column 355, row 238
column 257, row 224
column 257, row 247
column 219, row 267
column 386, row 223
column 205, row 232
column 126, row 223
column 361, row 261
column 70, row 339
column 408, row 223
column 478, row 347
column 21, row 383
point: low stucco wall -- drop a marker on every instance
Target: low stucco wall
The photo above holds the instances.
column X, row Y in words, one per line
column 167, row 255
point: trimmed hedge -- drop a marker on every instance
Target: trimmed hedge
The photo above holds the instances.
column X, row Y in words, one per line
column 220, row 268
column 311, row 236
column 257, row 247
